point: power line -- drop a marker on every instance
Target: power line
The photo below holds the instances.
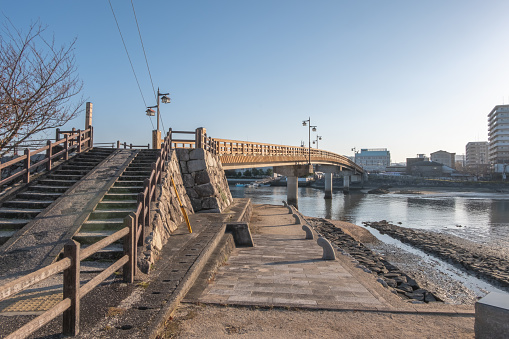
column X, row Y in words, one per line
column 143, row 48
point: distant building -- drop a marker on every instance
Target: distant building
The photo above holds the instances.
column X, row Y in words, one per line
column 411, row 161
column 373, row 159
column 444, row 158
column 429, row 169
column 498, row 137
column 477, row 161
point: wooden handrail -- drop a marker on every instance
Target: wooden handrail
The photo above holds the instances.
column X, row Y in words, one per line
column 75, row 139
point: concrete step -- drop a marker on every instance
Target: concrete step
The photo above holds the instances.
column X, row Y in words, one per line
column 12, row 224
column 114, row 204
column 88, row 238
column 98, row 225
column 136, row 172
column 53, row 182
column 65, row 177
column 120, row 196
column 19, row 203
column 73, row 171
column 112, row 252
column 18, row 213
column 129, row 177
column 125, row 189
column 125, row 183
column 50, row 189
column 109, row 214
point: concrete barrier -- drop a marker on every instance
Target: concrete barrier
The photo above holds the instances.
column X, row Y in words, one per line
column 492, row 316
column 309, row 232
column 328, row 250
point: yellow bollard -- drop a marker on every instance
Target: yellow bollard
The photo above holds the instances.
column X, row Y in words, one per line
column 181, row 206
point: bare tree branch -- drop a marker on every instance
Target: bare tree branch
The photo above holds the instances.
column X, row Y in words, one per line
column 39, row 85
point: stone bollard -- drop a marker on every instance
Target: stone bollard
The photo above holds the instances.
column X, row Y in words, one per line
column 328, row 251
column 290, row 209
column 309, row 233
column 285, row 204
column 297, row 219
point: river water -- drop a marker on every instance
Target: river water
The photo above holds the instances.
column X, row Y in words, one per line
column 479, row 217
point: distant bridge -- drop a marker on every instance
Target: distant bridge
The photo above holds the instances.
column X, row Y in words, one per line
column 236, row 154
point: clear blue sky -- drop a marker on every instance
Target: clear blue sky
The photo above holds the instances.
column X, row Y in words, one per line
column 410, row 76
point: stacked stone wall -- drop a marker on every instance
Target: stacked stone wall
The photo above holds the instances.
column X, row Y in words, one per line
column 204, row 180
column 166, row 213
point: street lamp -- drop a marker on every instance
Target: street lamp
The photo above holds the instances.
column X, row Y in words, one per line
column 156, row 135
column 304, row 123
column 318, row 137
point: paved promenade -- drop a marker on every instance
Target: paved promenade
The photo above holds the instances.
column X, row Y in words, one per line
column 284, row 269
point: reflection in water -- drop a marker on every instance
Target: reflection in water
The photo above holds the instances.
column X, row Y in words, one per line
column 476, row 216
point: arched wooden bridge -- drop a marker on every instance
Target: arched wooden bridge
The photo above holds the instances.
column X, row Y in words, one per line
column 236, row 154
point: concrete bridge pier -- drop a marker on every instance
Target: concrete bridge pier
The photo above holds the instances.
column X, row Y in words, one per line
column 346, row 184
column 292, row 173
column 328, row 185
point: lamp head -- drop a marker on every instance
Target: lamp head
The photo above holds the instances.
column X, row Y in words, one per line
column 165, row 99
column 314, row 128
column 150, row 112
column 304, row 123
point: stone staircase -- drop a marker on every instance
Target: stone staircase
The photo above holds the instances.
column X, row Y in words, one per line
column 121, row 199
column 25, row 205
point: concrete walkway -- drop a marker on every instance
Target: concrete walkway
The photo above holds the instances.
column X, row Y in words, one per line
column 285, row 270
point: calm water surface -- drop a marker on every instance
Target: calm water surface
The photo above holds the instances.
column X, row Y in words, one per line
column 480, row 217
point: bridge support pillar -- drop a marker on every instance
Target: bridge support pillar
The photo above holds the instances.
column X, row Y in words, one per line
column 292, row 189
column 346, row 184
column 328, row 185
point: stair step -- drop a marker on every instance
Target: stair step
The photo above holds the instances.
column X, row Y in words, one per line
column 65, row 177
column 27, row 203
column 109, row 214
column 48, row 189
column 112, row 252
column 97, row 225
column 18, row 213
column 120, row 196
column 126, row 189
column 13, row 224
column 138, row 178
column 112, row 204
column 125, row 183
column 51, row 182
column 93, row 237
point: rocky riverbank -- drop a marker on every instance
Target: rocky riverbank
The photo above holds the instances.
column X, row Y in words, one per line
column 388, row 274
column 487, row 264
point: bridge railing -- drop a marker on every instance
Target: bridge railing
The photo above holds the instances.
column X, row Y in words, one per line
column 73, row 141
column 227, row 147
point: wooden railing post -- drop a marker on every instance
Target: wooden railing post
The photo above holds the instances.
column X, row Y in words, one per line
column 91, row 141
column 129, row 249
column 118, row 144
column 66, row 156
column 71, row 289
column 49, row 154
column 26, row 177
column 78, row 138
column 57, row 134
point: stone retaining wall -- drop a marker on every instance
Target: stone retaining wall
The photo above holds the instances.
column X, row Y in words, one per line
column 166, row 213
column 204, row 180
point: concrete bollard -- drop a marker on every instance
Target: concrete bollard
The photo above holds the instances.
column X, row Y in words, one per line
column 309, row 233
column 491, row 315
column 285, row 204
column 328, row 251
column 297, row 219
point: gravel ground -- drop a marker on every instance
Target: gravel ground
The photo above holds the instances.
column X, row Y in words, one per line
column 208, row 321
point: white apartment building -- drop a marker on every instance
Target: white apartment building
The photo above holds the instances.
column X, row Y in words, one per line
column 498, row 136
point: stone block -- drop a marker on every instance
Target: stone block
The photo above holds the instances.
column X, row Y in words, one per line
column 491, row 316
column 196, row 203
column 188, row 180
column 182, row 154
column 183, row 167
column 196, row 165
column 197, row 154
column 201, row 177
column 205, row 190
column 210, row 203
column 191, row 192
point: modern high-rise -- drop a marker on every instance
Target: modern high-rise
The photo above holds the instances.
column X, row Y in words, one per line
column 498, row 135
